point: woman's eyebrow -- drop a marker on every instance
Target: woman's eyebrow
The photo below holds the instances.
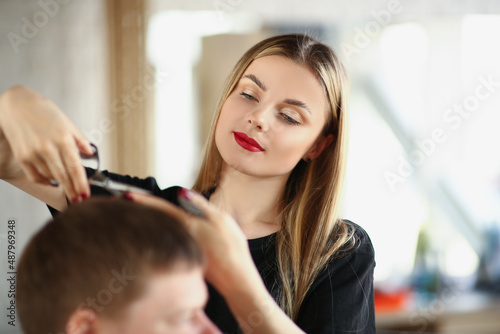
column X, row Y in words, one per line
column 298, row 103
column 256, row 81
column 292, row 102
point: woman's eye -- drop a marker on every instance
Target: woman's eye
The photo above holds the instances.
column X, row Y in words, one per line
column 248, row 96
column 289, row 119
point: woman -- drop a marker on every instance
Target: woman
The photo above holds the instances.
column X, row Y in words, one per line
column 272, row 174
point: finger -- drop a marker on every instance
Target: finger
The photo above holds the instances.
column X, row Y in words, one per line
column 82, row 143
column 212, row 213
column 46, row 176
column 56, row 166
column 42, row 168
column 33, row 167
column 33, row 175
column 159, row 204
column 75, row 171
column 215, row 218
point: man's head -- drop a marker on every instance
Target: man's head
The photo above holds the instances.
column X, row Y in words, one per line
column 112, row 266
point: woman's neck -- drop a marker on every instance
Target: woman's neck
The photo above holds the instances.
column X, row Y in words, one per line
column 252, row 201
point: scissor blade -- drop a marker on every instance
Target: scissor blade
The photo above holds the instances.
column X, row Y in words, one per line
column 126, row 187
column 117, row 188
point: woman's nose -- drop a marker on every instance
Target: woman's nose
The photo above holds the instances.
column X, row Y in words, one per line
column 260, row 118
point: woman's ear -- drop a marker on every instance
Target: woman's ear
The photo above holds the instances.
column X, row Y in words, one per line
column 318, row 147
column 81, row 321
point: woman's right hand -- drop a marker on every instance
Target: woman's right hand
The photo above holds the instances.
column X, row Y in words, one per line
column 43, row 142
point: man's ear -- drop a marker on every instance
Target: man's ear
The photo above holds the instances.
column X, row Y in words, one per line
column 81, row 321
column 319, row 146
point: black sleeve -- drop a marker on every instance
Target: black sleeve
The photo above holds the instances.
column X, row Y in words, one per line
column 341, row 299
column 149, row 183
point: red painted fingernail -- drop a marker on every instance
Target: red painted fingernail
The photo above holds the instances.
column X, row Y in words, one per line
column 128, row 196
column 186, row 193
column 84, row 196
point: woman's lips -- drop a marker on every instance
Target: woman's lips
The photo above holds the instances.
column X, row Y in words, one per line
column 247, row 143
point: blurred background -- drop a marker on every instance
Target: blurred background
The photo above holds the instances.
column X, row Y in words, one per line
column 140, row 79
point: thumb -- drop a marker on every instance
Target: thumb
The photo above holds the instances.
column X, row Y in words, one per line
column 82, row 143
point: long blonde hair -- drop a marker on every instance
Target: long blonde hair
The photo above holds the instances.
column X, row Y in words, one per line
column 311, row 233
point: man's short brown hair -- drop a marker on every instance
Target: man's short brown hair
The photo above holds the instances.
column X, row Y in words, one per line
column 97, row 255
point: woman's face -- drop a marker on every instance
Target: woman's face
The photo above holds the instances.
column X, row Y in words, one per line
column 272, row 119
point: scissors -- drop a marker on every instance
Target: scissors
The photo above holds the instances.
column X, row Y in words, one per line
column 100, row 180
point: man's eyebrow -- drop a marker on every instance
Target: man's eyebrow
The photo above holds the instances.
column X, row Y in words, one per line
column 298, row 103
column 256, row 80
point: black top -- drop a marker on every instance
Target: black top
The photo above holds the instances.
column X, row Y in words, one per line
column 339, row 301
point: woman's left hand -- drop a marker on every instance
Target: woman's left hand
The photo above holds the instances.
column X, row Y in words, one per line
column 229, row 262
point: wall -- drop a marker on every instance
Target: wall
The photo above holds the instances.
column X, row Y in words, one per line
column 59, row 49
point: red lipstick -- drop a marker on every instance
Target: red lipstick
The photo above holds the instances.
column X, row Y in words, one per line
column 247, row 143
